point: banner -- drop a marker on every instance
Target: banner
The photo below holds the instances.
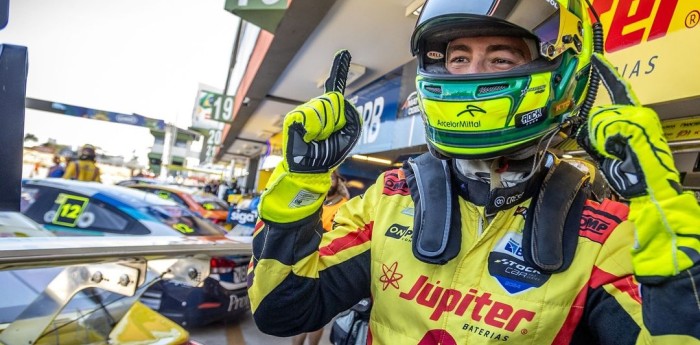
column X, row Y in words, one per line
column 95, row 114
column 682, row 129
column 388, row 107
column 654, row 45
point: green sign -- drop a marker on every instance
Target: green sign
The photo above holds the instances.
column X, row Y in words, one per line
column 267, row 14
column 215, row 106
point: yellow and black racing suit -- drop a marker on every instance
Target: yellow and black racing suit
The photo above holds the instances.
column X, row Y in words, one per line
column 301, row 277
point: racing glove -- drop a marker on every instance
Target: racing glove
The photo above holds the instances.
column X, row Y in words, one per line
column 317, row 136
column 628, row 143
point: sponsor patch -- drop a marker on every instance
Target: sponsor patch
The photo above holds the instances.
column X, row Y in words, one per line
column 530, row 118
column 508, row 267
column 395, row 183
column 597, row 225
column 399, row 232
column 390, row 277
column 304, row 198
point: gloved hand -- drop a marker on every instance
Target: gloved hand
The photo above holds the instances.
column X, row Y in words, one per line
column 628, row 143
column 317, row 136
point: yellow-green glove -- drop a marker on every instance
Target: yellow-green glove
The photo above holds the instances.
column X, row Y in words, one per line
column 627, row 141
column 317, row 136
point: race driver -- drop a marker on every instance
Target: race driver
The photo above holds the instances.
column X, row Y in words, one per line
column 489, row 238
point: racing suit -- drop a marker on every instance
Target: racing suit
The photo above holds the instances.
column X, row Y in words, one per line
column 300, row 277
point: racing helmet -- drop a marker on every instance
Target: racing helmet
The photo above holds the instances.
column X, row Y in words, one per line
column 487, row 115
column 87, row 152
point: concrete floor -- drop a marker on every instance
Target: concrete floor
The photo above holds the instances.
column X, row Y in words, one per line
column 243, row 333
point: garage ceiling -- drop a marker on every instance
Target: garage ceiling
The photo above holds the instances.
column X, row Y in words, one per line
column 376, row 32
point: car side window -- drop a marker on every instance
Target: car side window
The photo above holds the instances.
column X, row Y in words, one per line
column 71, row 210
column 164, row 194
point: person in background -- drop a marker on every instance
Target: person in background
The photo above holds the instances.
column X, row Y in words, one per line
column 337, row 195
column 489, row 238
column 57, row 169
column 84, row 168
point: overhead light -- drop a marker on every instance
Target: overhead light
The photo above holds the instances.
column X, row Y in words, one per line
column 371, row 159
column 354, row 72
column 414, row 8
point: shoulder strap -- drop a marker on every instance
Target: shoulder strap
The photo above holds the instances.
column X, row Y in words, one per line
column 551, row 229
column 437, row 235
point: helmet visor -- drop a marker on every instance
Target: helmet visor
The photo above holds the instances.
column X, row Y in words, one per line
column 556, row 30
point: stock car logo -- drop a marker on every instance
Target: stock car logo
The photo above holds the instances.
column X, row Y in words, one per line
column 507, row 265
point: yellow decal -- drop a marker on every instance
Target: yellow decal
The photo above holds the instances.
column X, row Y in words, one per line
column 70, row 207
column 183, row 228
column 163, row 194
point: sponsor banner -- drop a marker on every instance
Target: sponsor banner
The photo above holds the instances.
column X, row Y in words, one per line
column 95, row 114
column 377, row 104
column 653, row 43
column 389, row 108
column 675, row 130
column 242, row 217
column 682, row 129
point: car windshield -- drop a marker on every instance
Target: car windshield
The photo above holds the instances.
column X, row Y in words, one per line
column 181, row 219
column 210, row 202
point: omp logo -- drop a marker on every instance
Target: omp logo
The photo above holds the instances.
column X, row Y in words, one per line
column 514, row 248
column 635, row 21
column 483, row 309
column 589, row 223
column 395, row 183
column 597, row 225
column 399, row 232
column 471, row 109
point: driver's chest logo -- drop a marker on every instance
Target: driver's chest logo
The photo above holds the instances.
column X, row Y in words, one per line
column 390, row 277
column 508, row 267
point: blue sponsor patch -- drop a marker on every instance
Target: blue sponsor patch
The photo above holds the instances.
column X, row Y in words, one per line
column 507, row 265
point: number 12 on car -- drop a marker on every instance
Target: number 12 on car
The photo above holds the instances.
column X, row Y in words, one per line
column 69, row 209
